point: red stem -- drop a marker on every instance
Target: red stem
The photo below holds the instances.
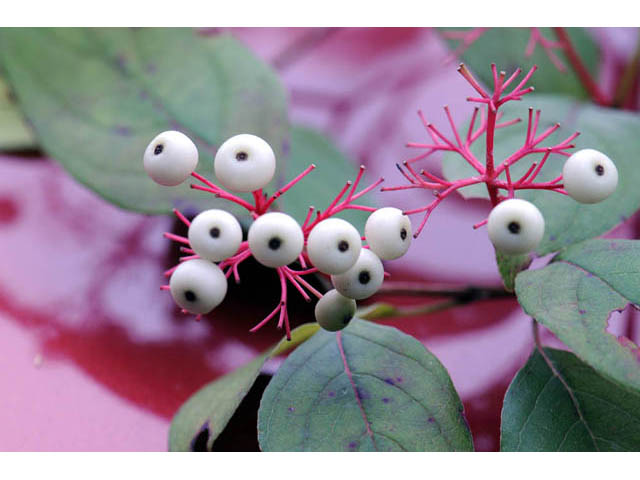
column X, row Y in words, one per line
column 579, row 67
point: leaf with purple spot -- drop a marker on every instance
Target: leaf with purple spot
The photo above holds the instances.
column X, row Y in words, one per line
column 575, row 295
column 366, row 388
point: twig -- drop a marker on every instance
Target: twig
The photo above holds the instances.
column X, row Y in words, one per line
column 629, row 77
column 579, row 67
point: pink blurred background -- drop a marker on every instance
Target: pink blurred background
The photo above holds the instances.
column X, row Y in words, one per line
column 95, row 357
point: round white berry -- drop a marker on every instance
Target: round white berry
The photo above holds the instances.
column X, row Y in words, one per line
column 334, row 311
column 515, row 226
column 170, row 158
column 198, row 286
column 589, row 176
column 275, row 239
column 333, row 246
column 215, row 235
column 245, row 163
column 388, row 233
column 363, row 279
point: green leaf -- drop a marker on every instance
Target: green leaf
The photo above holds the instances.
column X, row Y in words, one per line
column 14, row 133
column 320, row 187
column 366, row 388
column 213, row 405
column 574, row 296
column 506, row 48
column 581, row 412
column 566, row 221
column 96, row 97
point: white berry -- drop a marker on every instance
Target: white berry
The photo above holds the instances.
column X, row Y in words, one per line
column 334, row 311
column 198, row 286
column 170, row 158
column 363, row 279
column 515, row 226
column 589, row 176
column 245, row 163
column 333, row 246
column 275, row 239
column 388, row 233
column 215, row 235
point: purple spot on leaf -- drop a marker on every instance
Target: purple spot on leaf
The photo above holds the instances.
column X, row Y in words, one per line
column 582, row 312
column 431, row 420
column 291, row 409
column 385, row 400
column 353, row 445
column 286, row 147
column 552, row 238
column 389, row 381
column 332, row 394
column 399, row 379
column 122, row 130
column 121, row 61
column 362, row 394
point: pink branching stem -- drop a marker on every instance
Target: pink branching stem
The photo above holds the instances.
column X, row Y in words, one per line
column 176, row 238
column 219, row 192
column 489, row 172
column 466, row 39
column 282, row 190
column 339, row 204
column 579, row 67
column 536, row 38
column 480, row 224
column 182, row 218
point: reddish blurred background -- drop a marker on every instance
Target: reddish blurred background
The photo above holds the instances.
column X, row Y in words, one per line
column 96, row 357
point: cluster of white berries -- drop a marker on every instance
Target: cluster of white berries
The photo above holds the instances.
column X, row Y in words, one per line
column 246, row 163
column 516, row 226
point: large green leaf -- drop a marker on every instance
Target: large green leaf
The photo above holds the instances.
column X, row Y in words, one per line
column 14, row 133
column 566, row 221
column 574, row 296
column 319, row 188
column 506, row 48
column 366, row 388
column 96, row 97
column 582, row 412
column 210, row 408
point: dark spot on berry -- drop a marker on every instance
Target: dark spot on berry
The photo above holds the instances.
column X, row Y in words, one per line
column 403, row 234
column 599, row 170
column 274, row 243
column 241, row 156
column 364, row 277
column 514, row 227
column 158, row 150
column 190, row 296
column 343, row 246
column 347, row 319
column 214, row 232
